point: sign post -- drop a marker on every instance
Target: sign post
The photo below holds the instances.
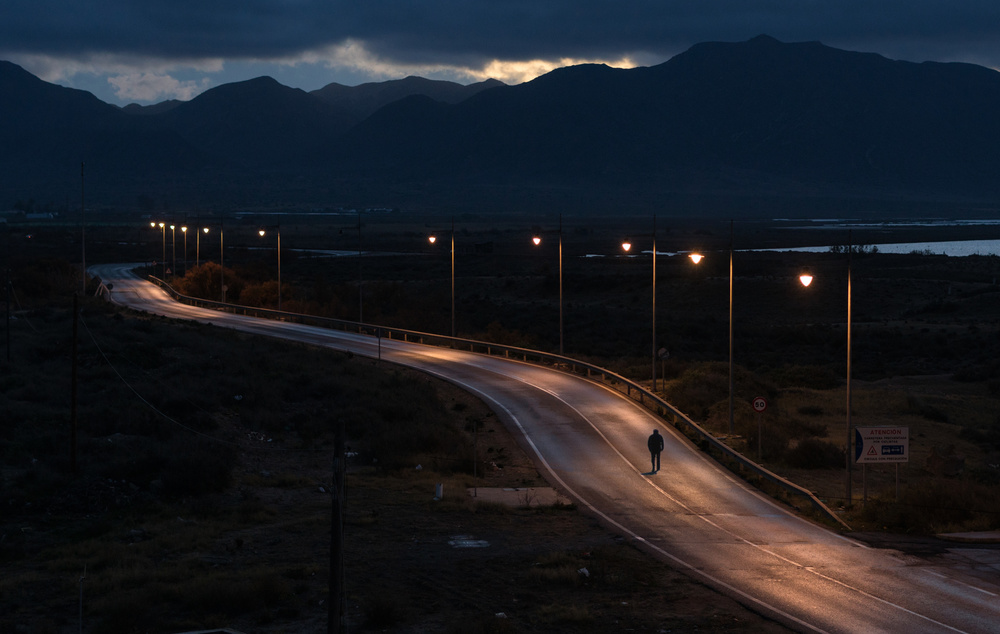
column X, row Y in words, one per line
column 882, row 445
column 759, row 404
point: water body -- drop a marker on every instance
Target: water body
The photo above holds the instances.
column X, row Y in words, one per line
column 957, row 248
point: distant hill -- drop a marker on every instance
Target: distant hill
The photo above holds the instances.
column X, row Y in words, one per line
column 735, row 128
column 158, row 108
column 365, row 99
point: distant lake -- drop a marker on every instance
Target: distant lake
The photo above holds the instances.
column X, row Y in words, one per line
column 956, row 248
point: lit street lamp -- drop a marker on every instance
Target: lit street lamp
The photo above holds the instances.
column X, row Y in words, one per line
column 537, row 239
column 163, row 236
column 184, row 230
column 277, row 229
column 197, row 248
column 806, row 279
column 432, row 239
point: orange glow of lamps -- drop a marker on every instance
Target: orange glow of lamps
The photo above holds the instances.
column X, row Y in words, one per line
column 806, row 279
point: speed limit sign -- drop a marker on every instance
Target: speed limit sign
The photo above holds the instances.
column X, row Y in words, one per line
column 759, row 403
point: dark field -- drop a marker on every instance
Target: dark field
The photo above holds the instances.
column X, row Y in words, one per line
column 193, row 509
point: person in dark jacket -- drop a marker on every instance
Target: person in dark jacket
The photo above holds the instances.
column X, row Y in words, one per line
column 655, row 444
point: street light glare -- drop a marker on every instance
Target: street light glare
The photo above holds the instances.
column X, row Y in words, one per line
column 696, row 257
column 184, row 229
column 432, row 239
column 205, row 229
column 537, row 240
column 806, row 279
column 626, row 245
column 261, row 232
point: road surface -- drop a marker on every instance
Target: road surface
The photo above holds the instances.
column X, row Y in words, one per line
column 591, row 444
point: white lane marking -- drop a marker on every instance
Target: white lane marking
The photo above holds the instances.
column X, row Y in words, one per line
column 953, row 580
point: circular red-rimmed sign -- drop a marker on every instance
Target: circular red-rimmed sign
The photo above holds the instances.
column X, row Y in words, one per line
column 759, row 403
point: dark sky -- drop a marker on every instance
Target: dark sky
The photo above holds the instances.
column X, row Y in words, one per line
column 151, row 50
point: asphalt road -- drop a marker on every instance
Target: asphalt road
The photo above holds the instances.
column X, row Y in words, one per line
column 591, row 444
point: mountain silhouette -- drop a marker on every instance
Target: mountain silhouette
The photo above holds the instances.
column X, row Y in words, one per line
column 365, row 99
column 722, row 127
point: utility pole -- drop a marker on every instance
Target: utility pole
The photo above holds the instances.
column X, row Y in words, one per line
column 7, row 288
column 73, row 389
column 83, row 231
column 335, row 614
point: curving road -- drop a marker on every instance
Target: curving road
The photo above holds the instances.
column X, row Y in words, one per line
column 590, row 442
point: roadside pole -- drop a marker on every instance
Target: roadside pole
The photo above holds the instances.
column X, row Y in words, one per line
column 759, row 404
column 335, row 614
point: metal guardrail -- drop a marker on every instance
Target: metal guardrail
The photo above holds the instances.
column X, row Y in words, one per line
column 592, row 372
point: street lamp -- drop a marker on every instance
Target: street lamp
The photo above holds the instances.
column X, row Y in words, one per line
column 432, row 239
column 277, row 229
column 163, row 258
column 197, row 248
column 537, row 240
column 173, row 249
column 806, row 279
column 627, row 246
column 184, row 230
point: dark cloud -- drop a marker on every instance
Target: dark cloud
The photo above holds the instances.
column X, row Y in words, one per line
column 464, row 31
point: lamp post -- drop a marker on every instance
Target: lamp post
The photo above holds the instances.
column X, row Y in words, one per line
column 197, row 248
column 806, row 279
column 432, row 239
column 222, row 265
column 277, row 229
column 847, row 466
column 537, row 239
column 163, row 238
column 627, row 246
column 361, row 284
column 173, row 249
column 732, row 425
column 184, row 259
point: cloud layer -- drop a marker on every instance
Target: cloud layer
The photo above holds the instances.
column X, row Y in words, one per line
column 147, row 45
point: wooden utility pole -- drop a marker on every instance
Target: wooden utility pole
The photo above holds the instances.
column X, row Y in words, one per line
column 73, row 391
column 83, row 231
column 335, row 616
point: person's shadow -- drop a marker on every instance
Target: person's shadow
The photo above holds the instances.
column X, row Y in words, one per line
column 648, row 473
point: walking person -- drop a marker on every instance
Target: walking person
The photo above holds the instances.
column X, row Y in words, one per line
column 655, row 444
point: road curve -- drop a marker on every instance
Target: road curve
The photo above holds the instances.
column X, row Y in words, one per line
column 590, row 442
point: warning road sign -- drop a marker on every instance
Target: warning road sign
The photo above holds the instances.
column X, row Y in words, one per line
column 881, row 444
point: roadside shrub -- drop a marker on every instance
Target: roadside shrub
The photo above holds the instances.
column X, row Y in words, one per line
column 808, row 376
column 813, row 453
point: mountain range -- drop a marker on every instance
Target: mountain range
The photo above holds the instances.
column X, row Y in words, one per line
column 735, row 128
